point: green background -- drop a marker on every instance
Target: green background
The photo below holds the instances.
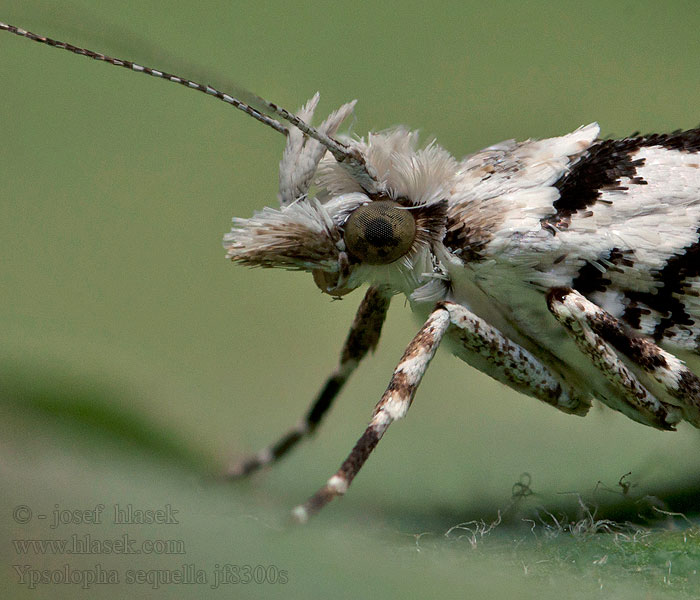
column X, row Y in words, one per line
column 135, row 361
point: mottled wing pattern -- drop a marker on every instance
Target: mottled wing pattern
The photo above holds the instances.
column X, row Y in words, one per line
column 506, row 188
column 637, row 202
column 618, row 220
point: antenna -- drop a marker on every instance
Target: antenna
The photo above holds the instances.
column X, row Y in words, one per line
column 351, row 159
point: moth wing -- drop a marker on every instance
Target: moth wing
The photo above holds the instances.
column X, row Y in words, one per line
column 632, row 237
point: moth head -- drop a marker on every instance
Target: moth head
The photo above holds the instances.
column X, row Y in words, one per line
column 379, row 208
column 374, row 217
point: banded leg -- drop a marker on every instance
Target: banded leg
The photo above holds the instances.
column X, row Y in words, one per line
column 363, row 337
column 393, row 405
column 592, row 329
column 487, row 349
column 677, row 380
column 507, row 362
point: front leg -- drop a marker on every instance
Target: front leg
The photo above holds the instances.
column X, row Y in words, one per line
column 598, row 334
column 393, row 405
column 362, row 338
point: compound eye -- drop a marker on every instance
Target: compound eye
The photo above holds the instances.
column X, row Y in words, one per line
column 380, row 232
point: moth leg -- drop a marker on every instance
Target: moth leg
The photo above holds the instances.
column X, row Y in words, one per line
column 506, row 361
column 596, row 332
column 363, row 337
column 677, row 380
column 393, row 405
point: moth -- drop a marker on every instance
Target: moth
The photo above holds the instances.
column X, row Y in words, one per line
column 566, row 268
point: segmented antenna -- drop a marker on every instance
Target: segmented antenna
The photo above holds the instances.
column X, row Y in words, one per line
column 249, row 110
column 341, row 153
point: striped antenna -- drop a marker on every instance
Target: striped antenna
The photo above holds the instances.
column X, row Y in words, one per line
column 341, row 153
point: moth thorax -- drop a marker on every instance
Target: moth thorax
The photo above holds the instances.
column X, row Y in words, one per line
column 380, row 232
